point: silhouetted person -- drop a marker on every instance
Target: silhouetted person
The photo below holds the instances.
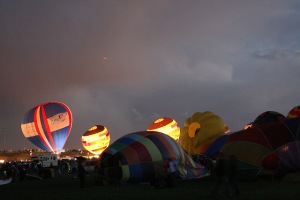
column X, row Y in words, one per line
column 81, row 174
column 15, row 173
column 233, row 175
column 172, row 172
column 22, row 172
column 75, row 168
column 220, row 172
column 160, row 175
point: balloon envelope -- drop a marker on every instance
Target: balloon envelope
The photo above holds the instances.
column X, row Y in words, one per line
column 268, row 117
column 200, row 131
column 167, row 126
column 96, row 139
column 48, row 126
column 272, row 146
column 294, row 112
column 137, row 157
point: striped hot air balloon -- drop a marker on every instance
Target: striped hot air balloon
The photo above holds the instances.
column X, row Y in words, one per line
column 96, row 139
column 139, row 156
column 48, row 126
column 167, row 126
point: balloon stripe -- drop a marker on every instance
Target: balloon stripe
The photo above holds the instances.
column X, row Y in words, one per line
column 142, row 151
column 48, row 131
column 162, row 146
column 38, row 127
column 153, row 151
column 135, row 157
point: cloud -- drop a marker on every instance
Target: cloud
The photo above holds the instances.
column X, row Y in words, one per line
column 169, row 58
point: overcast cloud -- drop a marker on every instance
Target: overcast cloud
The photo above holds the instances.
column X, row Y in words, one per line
column 123, row 64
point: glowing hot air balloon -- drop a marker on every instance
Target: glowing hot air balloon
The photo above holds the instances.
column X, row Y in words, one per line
column 48, row 126
column 167, row 126
column 96, row 139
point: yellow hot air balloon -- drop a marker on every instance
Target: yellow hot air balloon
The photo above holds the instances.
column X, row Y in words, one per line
column 200, row 130
column 96, row 139
column 167, row 126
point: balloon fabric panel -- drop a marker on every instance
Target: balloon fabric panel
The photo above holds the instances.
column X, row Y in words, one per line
column 164, row 147
column 141, row 151
column 151, row 146
column 288, row 156
column 250, row 135
column 130, row 159
column 249, row 152
column 268, row 117
column 37, row 141
column 214, row 149
column 277, row 134
column 160, row 123
column 59, row 137
column 293, row 125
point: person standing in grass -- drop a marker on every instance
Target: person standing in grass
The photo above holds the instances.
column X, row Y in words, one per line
column 81, row 173
column 172, row 172
column 233, row 175
column 220, row 172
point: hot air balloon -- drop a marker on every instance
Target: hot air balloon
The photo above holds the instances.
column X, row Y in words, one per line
column 294, row 112
column 272, row 146
column 266, row 117
column 48, row 126
column 200, row 130
column 167, row 126
column 96, row 139
column 139, row 156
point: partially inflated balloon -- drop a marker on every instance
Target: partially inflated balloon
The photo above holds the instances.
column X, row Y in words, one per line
column 167, row 126
column 273, row 146
column 96, row 139
column 139, row 156
column 48, row 126
column 268, row 117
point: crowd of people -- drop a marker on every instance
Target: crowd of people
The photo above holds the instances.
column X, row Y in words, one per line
column 19, row 171
column 224, row 171
column 16, row 170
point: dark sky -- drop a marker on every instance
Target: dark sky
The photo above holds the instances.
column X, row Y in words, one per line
column 124, row 63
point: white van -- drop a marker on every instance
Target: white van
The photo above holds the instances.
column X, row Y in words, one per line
column 47, row 160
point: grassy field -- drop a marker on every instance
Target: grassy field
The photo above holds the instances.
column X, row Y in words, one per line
column 67, row 187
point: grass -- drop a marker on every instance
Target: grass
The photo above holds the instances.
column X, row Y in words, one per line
column 67, row 187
